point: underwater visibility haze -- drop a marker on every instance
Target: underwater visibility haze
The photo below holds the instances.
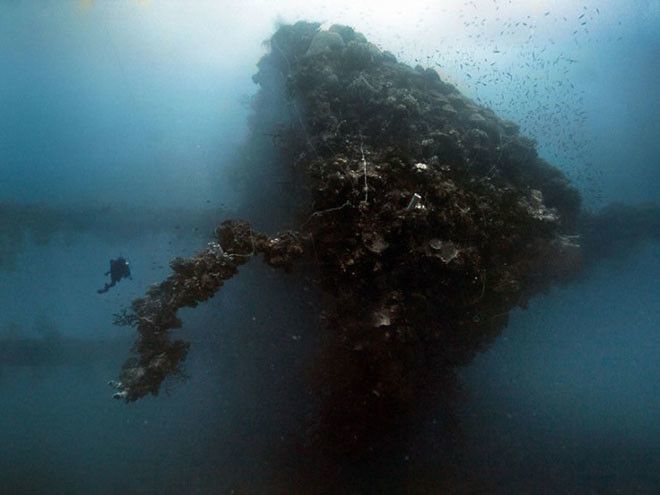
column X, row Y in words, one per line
column 330, row 247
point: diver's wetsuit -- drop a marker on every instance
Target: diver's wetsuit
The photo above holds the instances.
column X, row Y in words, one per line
column 118, row 269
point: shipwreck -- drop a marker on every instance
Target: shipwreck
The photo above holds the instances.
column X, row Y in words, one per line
column 421, row 216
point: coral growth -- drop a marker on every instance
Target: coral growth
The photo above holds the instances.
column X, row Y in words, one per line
column 426, row 220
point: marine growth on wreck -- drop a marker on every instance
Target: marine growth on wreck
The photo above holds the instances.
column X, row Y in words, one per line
column 423, row 218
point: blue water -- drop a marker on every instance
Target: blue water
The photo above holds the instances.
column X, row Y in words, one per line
column 111, row 108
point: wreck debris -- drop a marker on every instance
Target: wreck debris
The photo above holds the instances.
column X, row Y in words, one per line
column 193, row 280
column 446, row 250
column 414, row 202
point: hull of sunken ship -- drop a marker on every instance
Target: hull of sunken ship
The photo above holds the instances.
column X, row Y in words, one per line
column 422, row 218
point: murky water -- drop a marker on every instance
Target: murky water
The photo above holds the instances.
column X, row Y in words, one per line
column 121, row 124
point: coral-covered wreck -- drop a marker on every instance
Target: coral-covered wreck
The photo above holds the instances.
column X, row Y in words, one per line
column 424, row 218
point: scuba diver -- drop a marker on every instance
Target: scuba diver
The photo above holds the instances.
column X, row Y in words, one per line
column 118, row 269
